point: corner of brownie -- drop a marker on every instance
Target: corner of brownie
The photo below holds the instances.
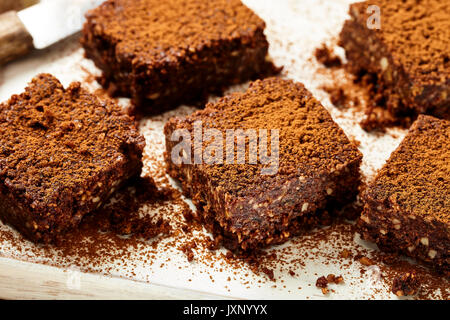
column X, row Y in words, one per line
column 407, row 54
column 317, row 166
column 166, row 53
column 63, row 152
column 407, row 205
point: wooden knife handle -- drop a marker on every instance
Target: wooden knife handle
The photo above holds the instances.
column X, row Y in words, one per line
column 7, row 5
column 15, row 41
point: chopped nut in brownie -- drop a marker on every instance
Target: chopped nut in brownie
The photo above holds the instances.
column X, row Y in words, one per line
column 366, row 261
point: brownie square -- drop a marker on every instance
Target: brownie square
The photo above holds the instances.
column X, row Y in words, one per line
column 165, row 53
column 407, row 205
column 409, row 56
column 62, row 153
column 245, row 207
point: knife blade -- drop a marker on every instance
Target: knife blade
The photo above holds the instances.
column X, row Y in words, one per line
column 40, row 26
column 51, row 21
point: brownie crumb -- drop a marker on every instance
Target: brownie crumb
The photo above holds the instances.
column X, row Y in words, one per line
column 327, row 57
column 269, row 273
column 187, row 249
column 331, row 278
column 406, row 284
column 322, row 282
column 325, row 291
column 338, row 96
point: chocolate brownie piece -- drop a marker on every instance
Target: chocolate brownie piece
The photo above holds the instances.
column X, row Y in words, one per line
column 164, row 53
column 407, row 205
column 62, row 153
column 409, row 56
column 317, row 166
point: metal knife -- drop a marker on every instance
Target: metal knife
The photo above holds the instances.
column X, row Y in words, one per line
column 40, row 26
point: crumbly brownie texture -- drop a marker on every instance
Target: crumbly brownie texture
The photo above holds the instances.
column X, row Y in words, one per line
column 406, row 284
column 164, row 53
column 409, row 56
column 407, row 206
column 318, row 167
column 62, row 153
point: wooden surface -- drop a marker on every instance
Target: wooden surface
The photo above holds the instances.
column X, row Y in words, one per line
column 15, row 41
column 23, row 280
column 16, row 5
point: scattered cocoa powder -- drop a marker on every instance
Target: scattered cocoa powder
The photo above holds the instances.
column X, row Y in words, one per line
column 187, row 249
column 269, row 273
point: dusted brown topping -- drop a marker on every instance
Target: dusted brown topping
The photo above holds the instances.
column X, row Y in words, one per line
column 404, row 65
column 416, row 178
column 317, row 165
column 61, row 152
column 417, row 34
column 310, row 141
column 407, row 206
column 154, row 31
column 53, row 139
column 187, row 249
column 166, row 53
